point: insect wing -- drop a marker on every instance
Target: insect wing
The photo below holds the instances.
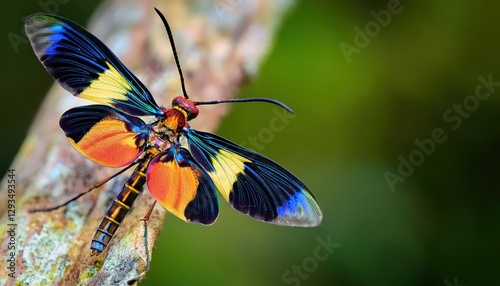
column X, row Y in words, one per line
column 105, row 135
column 182, row 187
column 254, row 184
column 84, row 66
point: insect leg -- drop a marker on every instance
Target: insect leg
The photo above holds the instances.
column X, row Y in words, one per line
column 145, row 220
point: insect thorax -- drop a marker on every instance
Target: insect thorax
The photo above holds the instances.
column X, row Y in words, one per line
column 166, row 131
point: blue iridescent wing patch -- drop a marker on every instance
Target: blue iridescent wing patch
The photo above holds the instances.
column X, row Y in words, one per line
column 84, row 66
column 252, row 183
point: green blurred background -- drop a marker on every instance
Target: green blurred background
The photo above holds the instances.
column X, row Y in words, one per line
column 355, row 116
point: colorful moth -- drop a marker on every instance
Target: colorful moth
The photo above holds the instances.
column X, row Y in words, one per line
column 182, row 167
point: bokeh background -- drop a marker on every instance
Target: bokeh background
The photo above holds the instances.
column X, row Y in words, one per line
column 357, row 118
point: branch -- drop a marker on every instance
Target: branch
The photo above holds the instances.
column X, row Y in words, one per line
column 220, row 45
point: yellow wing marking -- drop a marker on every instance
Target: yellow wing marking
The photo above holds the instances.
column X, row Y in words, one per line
column 110, row 85
column 227, row 166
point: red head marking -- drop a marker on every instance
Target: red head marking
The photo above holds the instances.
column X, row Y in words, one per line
column 186, row 105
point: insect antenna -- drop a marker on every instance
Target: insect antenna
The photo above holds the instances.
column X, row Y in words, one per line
column 174, row 50
column 82, row 194
column 251, row 99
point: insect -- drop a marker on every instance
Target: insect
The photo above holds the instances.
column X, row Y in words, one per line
column 181, row 166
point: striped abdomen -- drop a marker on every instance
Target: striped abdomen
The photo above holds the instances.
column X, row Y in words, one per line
column 121, row 205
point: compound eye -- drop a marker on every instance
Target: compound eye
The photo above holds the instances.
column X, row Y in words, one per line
column 177, row 101
column 192, row 112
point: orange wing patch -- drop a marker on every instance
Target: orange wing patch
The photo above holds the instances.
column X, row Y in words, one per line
column 109, row 143
column 173, row 186
column 181, row 187
column 105, row 135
